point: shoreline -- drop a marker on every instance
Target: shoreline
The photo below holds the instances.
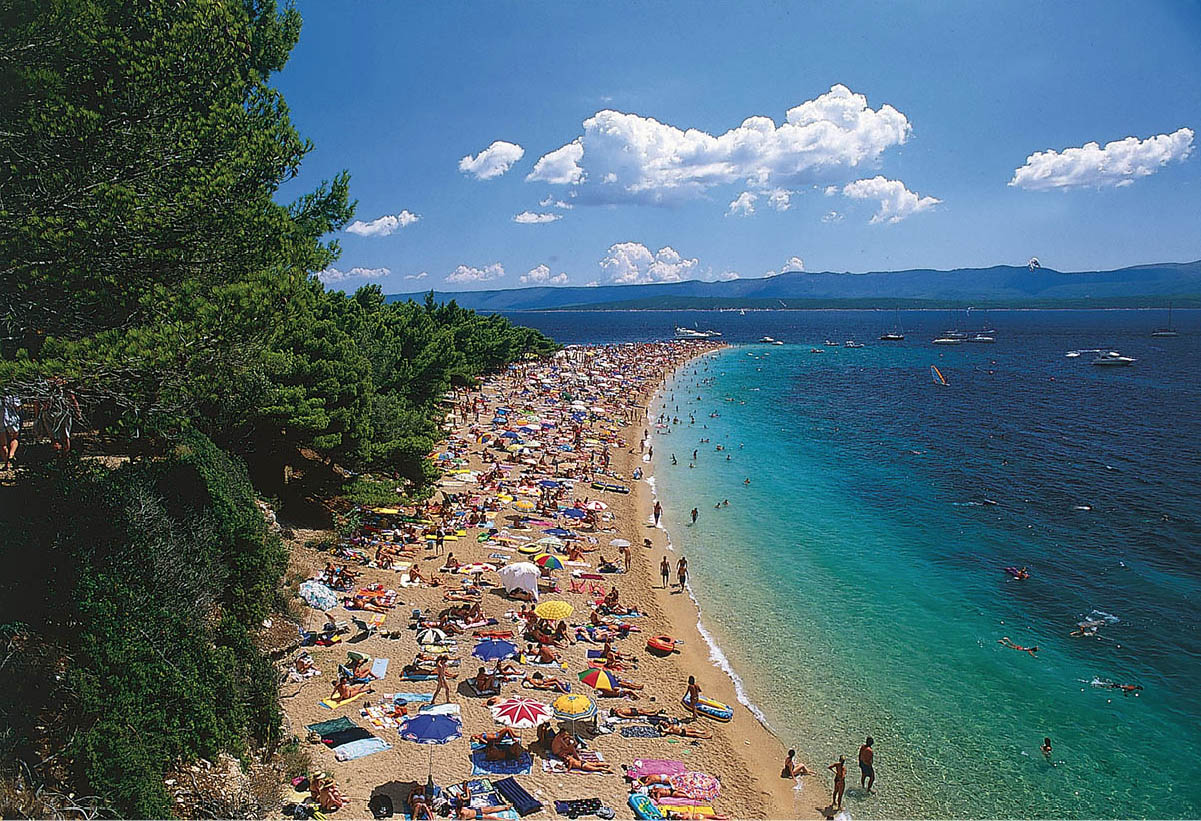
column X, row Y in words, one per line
column 744, row 754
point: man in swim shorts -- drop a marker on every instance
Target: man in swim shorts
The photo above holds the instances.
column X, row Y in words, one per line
column 867, row 772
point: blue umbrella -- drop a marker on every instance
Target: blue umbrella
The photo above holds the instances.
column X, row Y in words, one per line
column 511, row 434
column 494, row 649
column 550, row 483
column 573, row 513
column 560, row 532
column 431, row 728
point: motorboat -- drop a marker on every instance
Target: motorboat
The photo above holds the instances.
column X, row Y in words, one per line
column 692, row 333
column 948, row 340
column 832, row 344
column 892, row 336
column 816, row 350
column 777, row 342
column 767, row 340
column 981, row 338
column 1113, row 358
column 850, row 343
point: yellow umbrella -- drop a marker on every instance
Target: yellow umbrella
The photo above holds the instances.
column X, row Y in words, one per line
column 554, row 610
column 524, row 504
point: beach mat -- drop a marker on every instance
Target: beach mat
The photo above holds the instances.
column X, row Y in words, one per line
column 481, row 766
column 360, row 748
column 334, row 725
column 639, row 731
column 576, row 807
column 330, row 704
column 654, row 766
column 518, row 796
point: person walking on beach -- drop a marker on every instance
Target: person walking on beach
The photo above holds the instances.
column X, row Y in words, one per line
column 682, row 571
column 693, row 695
column 625, row 554
column 665, row 571
column 840, row 780
column 867, row 773
column 443, row 682
column 658, row 512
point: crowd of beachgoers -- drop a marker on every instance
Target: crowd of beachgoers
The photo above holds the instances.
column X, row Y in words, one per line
column 518, row 644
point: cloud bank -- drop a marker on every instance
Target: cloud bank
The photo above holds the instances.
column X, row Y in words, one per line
column 333, row 276
column 530, row 218
column 466, row 273
column 540, row 275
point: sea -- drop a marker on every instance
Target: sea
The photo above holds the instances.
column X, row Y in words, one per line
column 855, row 584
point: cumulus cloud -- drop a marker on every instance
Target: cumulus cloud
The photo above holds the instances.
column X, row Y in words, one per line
column 832, row 216
column 629, row 158
column 332, row 276
column 540, row 275
column 549, row 200
column 561, row 166
column 466, row 273
column 792, row 265
column 592, row 284
column 530, row 218
column 1116, row 164
column 383, row 226
column 422, row 275
column 743, row 205
column 493, row 161
column 633, row 263
column 728, row 276
column 896, row 201
column 780, row 199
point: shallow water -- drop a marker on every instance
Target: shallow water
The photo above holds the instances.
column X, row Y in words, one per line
column 857, row 582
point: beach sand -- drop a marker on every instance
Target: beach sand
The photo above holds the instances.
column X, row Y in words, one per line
column 743, row 754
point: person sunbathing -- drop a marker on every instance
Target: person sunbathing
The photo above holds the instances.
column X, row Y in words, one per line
column 304, row 664
column 419, row 805
column 540, row 682
column 503, row 734
column 634, row 712
column 609, row 653
column 360, row 601
column 793, row 768
column 684, row 731
column 469, row 594
column 344, row 688
column 1005, row 641
column 504, row 668
column 488, row 813
column 576, row 764
column 484, row 682
column 496, row 750
column 326, row 793
column 545, row 655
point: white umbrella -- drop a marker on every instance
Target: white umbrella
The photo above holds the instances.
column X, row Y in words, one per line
column 620, row 543
column 520, row 576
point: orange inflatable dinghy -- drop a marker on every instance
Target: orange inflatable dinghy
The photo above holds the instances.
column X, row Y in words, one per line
column 661, row 644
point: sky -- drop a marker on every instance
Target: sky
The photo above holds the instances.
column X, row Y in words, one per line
column 502, row 144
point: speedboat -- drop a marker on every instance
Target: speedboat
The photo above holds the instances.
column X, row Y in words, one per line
column 691, row 333
column 1113, row 358
column 777, row 342
column 948, row 340
column 850, row 343
column 981, row 338
column 892, row 336
column 831, row 344
column 816, row 350
column 767, row 339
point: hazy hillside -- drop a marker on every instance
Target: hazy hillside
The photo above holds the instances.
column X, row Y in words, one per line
column 1154, row 284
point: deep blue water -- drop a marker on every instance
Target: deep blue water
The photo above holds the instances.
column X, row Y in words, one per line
column 857, row 583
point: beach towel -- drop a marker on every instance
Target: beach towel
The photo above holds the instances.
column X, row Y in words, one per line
column 554, row 764
column 518, row 796
column 418, row 677
column 360, row 748
column 337, row 739
column 483, row 794
column 379, row 668
column 578, row 806
column 688, row 809
column 409, row 698
column 654, row 766
column 330, row 703
column 639, row 731
column 481, row 766
column 334, row 725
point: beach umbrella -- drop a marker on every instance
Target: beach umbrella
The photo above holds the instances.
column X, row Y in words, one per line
column 510, row 434
column 599, row 679
column 620, row 542
column 524, row 504
column 573, row 513
column 550, row 541
column 431, row 728
column 520, row 576
column 696, row 785
column 553, row 610
column 573, row 707
column 521, row 713
column 595, row 506
column 431, row 635
column 494, row 650
column 549, row 562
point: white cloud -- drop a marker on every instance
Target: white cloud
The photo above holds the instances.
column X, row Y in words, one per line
column 383, row 226
column 561, row 166
column 466, row 273
column 549, row 200
column 331, row 276
column 780, row 199
column 743, row 205
column 422, row 275
column 530, row 218
column 896, row 201
column 728, row 276
column 794, row 264
column 1116, row 164
column 628, row 158
column 633, row 263
column 540, row 275
column 493, row 161
column 832, row 216
column 831, row 190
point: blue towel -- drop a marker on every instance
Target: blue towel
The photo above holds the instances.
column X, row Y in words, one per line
column 410, row 698
column 519, row 766
column 379, row 668
column 360, row 748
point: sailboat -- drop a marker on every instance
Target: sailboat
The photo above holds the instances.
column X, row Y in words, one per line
column 896, row 334
column 1168, row 331
column 937, row 376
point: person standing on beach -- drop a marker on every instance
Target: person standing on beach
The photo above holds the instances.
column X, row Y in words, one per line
column 625, row 554
column 840, row 780
column 682, row 571
column 693, row 695
column 665, row 571
column 443, row 683
column 867, row 773
column 658, row 512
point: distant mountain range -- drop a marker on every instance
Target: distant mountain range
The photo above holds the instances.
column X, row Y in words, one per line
column 999, row 286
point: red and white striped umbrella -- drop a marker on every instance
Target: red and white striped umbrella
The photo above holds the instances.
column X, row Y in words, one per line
column 521, row 713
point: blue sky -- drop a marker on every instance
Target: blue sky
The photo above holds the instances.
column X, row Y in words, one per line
column 906, row 145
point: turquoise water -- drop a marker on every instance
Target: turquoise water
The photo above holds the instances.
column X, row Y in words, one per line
column 857, row 582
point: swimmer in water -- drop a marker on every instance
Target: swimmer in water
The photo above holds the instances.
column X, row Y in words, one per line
column 1007, row 642
column 1046, row 748
column 1126, row 689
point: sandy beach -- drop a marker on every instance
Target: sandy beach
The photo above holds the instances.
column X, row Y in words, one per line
column 743, row 755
